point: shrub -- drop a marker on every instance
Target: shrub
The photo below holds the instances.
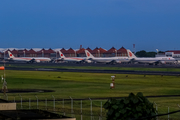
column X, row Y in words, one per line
column 131, row 107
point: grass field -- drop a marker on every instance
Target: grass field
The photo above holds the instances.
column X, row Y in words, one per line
column 93, row 85
column 84, row 85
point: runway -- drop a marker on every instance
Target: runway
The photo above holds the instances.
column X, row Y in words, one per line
column 49, row 67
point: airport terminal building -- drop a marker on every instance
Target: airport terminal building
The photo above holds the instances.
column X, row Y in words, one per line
column 53, row 53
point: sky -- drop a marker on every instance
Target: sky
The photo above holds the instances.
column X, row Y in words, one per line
column 149, row 24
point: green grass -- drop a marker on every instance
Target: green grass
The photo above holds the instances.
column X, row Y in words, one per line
column 92, row 85
column 85, row 85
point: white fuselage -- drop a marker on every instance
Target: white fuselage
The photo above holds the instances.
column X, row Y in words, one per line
column 155, row 60
column 72, row 59
column 110, row 59
column 28, row 59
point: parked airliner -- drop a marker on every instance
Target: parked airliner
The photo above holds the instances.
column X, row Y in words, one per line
column 71, row 59
column 110, row 60
column 28, row 59
column 151, row 60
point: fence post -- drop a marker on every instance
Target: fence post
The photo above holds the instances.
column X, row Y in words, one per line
column 21, row 100
column 71, row 105
column 168, row 113
column 29, row 103
column 46, row 103
column 101, row 112
column 91, row 108
column 81, row 111
column 37, row 101
column 63, row 107
column 53, row 103
column 178, row 105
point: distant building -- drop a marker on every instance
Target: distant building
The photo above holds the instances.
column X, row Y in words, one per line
column 173, row 53
column 50, row 53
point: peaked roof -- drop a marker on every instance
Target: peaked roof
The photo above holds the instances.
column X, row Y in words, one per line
column 112, row 50
column 63, row 50
column 98, row 50
column 95, row 51
column 102, row 50
column 70, row 51
column 50, row 51
column 14, row 51
column 31, row 51
column 81, row 51
column 122, row 50
column 89, row 49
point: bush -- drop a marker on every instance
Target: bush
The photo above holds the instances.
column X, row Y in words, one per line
column 132, row 107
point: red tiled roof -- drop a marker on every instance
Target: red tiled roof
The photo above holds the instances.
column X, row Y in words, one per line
column 95, row 51
column 46, row 51
column 50, row 51
column 31, row 51
column 89, row 49
column 63, row 50
column 98, row 50
column 112, row 50
column 14, row 51
column 26, row 50
column 81, row 51
column 20, row 51
column 102, row 50
column 70, row 51
column 122, row 50
column 40, row 52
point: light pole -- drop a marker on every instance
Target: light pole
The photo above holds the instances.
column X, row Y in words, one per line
column 42, row 53
column 99, row 53
column 24, row 53
column 4, row 54
column 157, row 51
column 116, row 52
column 56, row 56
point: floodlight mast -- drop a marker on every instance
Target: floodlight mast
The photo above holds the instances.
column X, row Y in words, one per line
column 157, row 51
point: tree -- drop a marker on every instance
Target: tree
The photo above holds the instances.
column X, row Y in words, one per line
column 151, row 54
column 141, row 53
column 132, row 107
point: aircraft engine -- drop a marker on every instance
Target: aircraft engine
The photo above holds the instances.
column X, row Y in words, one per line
column 38, row 61
column 163, row 62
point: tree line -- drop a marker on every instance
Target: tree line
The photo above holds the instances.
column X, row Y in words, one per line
column 143, row 53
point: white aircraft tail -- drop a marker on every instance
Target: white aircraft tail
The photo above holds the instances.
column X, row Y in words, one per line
column 61, row 54
column 88, row 54
column 130, row 54
column 10, row 54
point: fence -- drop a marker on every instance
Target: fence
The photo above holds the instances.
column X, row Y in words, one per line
column 83, row 109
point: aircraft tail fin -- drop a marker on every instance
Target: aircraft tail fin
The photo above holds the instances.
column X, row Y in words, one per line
column 61, row 54
column 10, row 54
column 88, row 54
column 130, row 54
